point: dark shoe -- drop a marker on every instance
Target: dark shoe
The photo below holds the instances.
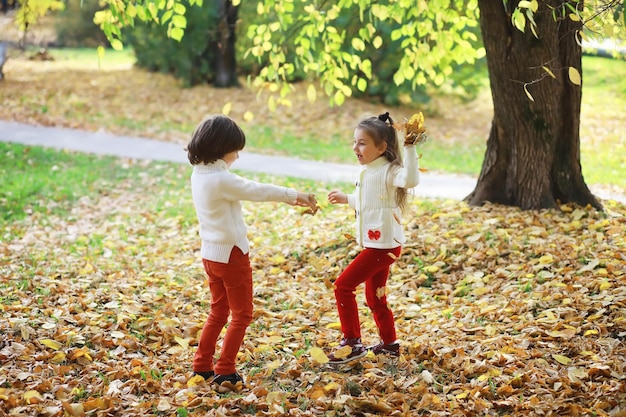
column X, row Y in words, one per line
column 229, row 382
column 391, row 349
column 206, row 375
column 358, row 351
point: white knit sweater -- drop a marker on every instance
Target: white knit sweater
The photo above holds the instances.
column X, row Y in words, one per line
column 217, row 193
column 378, row 219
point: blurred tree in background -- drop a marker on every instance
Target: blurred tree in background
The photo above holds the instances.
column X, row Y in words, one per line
column 75, row 27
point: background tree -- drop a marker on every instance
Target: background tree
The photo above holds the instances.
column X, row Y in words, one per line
column 30, row 11
column 206, row 54
column 534, row 59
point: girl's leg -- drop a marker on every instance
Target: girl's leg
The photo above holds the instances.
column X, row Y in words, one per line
column 238, row 286
column 367, row 263
column 218, row 315
column 375, row 294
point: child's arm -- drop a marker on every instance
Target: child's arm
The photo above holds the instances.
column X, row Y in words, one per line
column 236, row 188
column 409, row 175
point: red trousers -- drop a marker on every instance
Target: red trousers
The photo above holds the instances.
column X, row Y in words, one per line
column 231, row 292
column 372, row 267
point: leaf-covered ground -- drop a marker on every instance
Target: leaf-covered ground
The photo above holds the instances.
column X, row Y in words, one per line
column 499, row 312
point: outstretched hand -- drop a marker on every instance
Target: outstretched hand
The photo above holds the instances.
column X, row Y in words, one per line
column 337, row 197
column 307, row 200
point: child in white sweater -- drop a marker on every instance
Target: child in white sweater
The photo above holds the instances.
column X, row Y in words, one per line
column 380, row 197
column 217, row 194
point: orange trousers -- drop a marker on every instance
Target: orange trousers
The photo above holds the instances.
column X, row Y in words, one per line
column 231, row 292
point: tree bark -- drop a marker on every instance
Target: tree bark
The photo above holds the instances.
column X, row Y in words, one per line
column 225, row 63
column 532, row 159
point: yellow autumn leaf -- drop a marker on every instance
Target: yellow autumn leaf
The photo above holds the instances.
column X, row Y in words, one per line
column 58, row 357
column 381, row 292
column 563, row 360
column 563, row 334
column 195, row 380
column 343, row 352
column 273, row 365
column 574, row 76
column 318, row 263
column 184, row 343
column 175, row 350
column 318, row 355
column 331, row 387
column 94, row 404
column 248, row 116
column 32, row 397
column 577, row 373
column 52, row 344
column 546, row 259
column 548, row 71
column 334, row 325
column 311, row 93
column 431, row 268
column 530, row 96
column 480, row 291
column 227, row 108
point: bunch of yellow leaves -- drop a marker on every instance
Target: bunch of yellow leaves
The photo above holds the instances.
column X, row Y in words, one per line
column 414, row 130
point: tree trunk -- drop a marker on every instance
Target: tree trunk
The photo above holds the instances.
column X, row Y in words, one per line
column 532, row 159
column 225, row 64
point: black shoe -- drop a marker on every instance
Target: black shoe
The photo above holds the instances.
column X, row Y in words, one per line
column 206, row 375
column 391, row 349
column 232, row 382
column 358, row 351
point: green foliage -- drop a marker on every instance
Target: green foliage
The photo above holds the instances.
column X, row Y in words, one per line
column 122, row 14
column 189, row 58
column 30, row 11
column 75, row 27
column 411, row 44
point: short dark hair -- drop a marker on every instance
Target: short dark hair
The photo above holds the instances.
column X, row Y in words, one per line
column 213, row 138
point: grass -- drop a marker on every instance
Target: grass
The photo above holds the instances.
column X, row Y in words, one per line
column 603, row 147
column 89, row 59
column 40, row 180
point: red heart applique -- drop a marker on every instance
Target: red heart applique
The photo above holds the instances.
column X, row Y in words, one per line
column 373, row 234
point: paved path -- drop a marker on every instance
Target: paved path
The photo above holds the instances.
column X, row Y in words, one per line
column 431, row 185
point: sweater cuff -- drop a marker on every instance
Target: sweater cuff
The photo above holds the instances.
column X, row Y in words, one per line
column 292, row 195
